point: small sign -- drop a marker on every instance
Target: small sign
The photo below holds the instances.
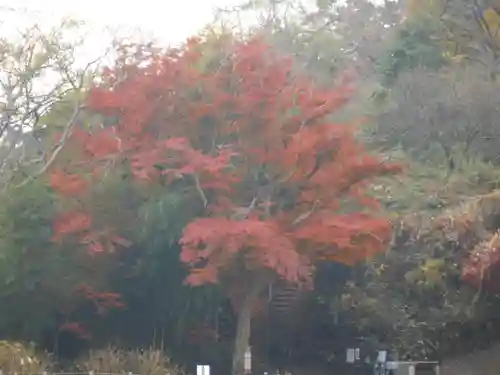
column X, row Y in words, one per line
column 202, row 370
column 350, row 355
column 382, row 356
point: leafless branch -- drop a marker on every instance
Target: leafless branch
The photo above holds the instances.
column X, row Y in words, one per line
column 199, row 189
column 242, row 213
column 38, row 77
column 306, row 214
column 57, row 148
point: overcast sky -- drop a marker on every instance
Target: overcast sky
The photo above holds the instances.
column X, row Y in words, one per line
column 168, row 19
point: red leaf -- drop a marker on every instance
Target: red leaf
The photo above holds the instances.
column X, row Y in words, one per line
column 67, row 184
column 77, row 328
column 68, row 223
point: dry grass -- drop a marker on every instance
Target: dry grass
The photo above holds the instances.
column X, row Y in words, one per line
column 473, row 221
column 469, row 230
column 17, row 358
column 477, row 220
column 117, row 361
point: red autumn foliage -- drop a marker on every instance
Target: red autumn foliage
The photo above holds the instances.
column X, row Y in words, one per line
column 70, row 223
column 77, row 329
column 78, row 223
column 281, row 184
column 103, row 301
column 483, row 264
column 68, row 184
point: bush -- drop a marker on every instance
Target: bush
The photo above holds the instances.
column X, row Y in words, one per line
column 18, row 358
column 117, row 361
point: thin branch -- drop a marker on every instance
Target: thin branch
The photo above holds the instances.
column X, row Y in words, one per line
column 306, row 215
column 200, row 191
column 241, row 213
column 58, row 148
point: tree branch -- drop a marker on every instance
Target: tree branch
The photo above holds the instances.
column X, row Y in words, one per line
column 57, row 149
column 306, row 215
column 199, row 189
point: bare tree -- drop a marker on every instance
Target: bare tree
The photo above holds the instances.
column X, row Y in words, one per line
column 455, row 107
column 37, row 71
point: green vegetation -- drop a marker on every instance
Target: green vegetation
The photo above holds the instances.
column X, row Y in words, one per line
column 428, row 103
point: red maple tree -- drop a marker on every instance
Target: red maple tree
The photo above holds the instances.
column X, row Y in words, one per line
column 280, row 184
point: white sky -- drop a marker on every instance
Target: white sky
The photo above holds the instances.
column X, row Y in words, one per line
column 167, row 19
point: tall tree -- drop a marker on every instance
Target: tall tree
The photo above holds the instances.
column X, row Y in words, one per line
column 275, row 184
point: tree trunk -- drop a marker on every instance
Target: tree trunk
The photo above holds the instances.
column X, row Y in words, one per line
column 243, row 327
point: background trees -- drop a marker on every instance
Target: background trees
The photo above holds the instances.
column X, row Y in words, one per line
column 427, row 106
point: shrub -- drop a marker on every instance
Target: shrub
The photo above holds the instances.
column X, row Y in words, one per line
column 18, row 358
column 117, row 361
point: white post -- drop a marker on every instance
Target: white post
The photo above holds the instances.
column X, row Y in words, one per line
column 382, row 356
column 202, row 370
column 411, row 369
column 91, row 372
column 438, row 369
column 350, row 355
column 247, row 364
